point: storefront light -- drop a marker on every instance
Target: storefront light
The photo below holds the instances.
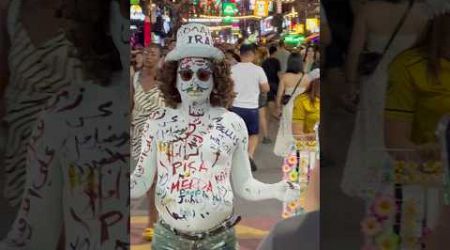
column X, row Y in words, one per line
column 136, row 13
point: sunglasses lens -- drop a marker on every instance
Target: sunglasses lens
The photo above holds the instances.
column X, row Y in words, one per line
column 186, row 75
column 203, row 75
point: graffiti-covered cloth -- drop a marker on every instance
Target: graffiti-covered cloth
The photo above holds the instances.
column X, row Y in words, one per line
column 37, row 73
column 145, row 102
column 77, row 173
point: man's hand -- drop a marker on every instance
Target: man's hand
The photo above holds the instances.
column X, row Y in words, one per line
column 288, row 191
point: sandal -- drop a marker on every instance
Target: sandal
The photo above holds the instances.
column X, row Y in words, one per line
column 148, row 233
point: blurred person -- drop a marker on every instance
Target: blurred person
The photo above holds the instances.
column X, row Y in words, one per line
column 261, row 54
column 305, row 120
column 196, row 129
column 387, row 27
column 292, row 83
column 171, row 45
column 249, row 81
column 77, row 154
column 282, row 55
column 148, row 75
column 147, row 99
column 231, row 57
column 306, row 112
column 418, row 96
column 310, row 57
column 137, row 60
column 272, row 68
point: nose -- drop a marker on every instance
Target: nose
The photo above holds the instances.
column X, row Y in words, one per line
column 194, row 85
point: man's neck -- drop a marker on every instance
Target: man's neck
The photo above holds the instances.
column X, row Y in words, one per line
column 246, row 60
column 150, row 71
column 194, row 109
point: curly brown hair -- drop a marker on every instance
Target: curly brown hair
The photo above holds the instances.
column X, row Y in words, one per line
column 223, row 92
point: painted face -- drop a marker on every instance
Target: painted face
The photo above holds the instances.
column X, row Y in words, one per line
column 195, row 80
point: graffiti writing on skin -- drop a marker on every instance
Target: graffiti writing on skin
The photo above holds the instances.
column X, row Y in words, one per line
column 194, row 164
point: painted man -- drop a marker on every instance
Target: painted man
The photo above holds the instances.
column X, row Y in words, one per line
column 197, row 150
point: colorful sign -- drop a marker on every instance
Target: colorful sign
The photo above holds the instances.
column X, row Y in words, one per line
column 299, row 28
column 261, row 8
column 266, row 26
column 294, row 39
column 134, row 2
column 227, row 20
column 312, row 25
column 229, row 9
column 136, row 13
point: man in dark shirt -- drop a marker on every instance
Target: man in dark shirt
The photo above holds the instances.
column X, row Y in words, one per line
column 272, row 68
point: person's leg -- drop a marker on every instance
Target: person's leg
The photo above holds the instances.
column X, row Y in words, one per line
column 253, row 130
column 251, row 120
column 152, row 213
column 271, row 111
column 252, row 145
column 263, row 123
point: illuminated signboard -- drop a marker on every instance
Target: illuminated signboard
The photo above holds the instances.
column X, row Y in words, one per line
column 299, row 28
column 229, row 9
column 136, row 13
column 227, row 19
column 312, row 25
column 261, row 8
column 294, row 39
column 134, row 2
column 266, row 26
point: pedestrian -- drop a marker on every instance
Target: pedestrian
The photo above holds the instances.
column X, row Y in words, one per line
column 292, row 83
column 231, row 57
column 306, row 112
column 417, row 98
column 302, row 158
column 137, row 60
column 249, row 81
column 377, row 22
column 147, row 99
column 282, row 55
column 272, row 68
column 199, row 151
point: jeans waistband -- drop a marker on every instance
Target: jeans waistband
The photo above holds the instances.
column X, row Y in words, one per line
column 225, row 225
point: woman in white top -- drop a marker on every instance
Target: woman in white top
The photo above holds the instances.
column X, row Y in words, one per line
column 294, row 76
column 373, row 29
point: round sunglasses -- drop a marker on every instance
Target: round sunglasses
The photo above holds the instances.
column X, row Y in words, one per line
column 202, row 74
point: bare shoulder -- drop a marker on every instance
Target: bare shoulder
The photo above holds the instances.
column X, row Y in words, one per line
column 233, row 120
